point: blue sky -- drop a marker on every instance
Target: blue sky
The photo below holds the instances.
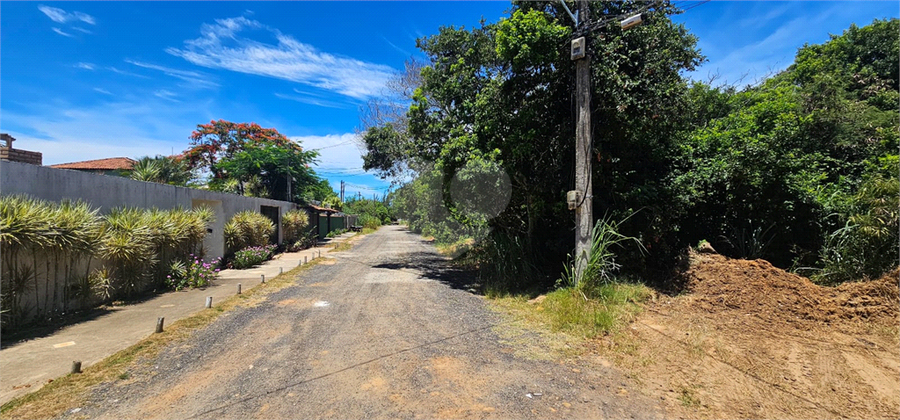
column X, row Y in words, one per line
column 83, row 81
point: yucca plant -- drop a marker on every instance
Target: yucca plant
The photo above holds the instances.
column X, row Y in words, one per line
column 294, row 224
column 128, row 248
column 247, row 228
column 75, row 228
column 23, row 224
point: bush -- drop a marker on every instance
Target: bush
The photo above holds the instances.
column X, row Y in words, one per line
column 247, row 229
column 248, row 257
column 368, row 221
column 294, row 224
column 195, row 273
column 867, row 245
column 336, row 232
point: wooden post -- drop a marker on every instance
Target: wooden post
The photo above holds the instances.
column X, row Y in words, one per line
column 583, row 146
column 280, row 270
column 262, row 278
column 76, row 367
column 159, row 324
column 305, row 261
column 239, row 288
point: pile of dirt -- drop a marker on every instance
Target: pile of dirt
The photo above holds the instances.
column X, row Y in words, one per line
column 750, row 340
column 771, row 294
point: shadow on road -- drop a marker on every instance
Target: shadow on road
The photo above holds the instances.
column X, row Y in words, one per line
column 434, row 266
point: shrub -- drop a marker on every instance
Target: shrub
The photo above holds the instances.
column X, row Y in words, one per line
column 867, row 245
column 248, row 257
column 247, row 229
column 336, row 232
column 195, row 273
column 369, row 221
column 295, row 225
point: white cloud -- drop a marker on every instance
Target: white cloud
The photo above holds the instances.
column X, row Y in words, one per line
column 337, row 152
column 310, row 100
column 752, row 63
column 59, row 31
column 61, row 16
column 70, row 133
column 81, row 30
column 194, row 79
column 103, row 91
column 167, row 95
column 220, row 46
column 86, row 66
column 126, row 73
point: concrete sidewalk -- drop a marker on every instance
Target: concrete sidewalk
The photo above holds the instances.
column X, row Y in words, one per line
column 26, row 366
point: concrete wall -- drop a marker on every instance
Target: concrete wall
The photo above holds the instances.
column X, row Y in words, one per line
column 108, row 192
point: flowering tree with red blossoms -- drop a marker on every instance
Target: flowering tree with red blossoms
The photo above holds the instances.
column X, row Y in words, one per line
column 252, row 160
column 222, row 139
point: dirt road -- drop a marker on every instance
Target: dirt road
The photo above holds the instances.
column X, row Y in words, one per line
column 386, row 330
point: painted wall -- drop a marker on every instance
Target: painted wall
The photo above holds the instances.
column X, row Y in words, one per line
column 108, row 192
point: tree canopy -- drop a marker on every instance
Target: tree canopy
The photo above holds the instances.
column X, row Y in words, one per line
column 245, row 158
column 771, row 171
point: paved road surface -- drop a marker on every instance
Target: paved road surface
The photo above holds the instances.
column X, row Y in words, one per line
column 385, row 330
column 29, row 363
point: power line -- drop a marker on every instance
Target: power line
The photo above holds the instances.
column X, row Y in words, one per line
column 699, row 3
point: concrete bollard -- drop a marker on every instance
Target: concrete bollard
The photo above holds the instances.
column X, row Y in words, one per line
column 159, row 324
column 262, row 278
column 209, row 301
column 280, row 270
column 305, row 259
column 239, row 288
column 76, row 367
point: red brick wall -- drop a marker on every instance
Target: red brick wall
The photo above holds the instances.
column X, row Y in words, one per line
column 24, row 156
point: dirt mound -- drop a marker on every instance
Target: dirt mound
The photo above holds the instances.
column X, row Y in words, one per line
column 753, row 341
column 758, row 288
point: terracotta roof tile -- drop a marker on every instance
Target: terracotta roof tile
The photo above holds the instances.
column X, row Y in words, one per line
column 99, row 164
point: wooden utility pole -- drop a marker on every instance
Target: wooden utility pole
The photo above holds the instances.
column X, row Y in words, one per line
column 583, row 143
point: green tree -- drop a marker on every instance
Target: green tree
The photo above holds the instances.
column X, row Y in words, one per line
column 245, row 158
column 501, row 95
column 277, row 171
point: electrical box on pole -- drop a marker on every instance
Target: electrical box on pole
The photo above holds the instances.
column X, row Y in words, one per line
column 578, row 49
column 632, row 21
column 572, row 199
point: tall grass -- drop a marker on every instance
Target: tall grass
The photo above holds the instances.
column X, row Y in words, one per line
column 601, row 265
column 505, row 263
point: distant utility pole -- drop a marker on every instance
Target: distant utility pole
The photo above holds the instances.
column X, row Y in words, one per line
column 342, row 191
column 581, row 199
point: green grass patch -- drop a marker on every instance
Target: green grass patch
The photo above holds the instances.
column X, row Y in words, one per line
column 571, row 311
column 602, row 311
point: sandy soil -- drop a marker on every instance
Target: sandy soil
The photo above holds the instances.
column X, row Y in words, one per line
column 749, row 340
column 386, row 330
